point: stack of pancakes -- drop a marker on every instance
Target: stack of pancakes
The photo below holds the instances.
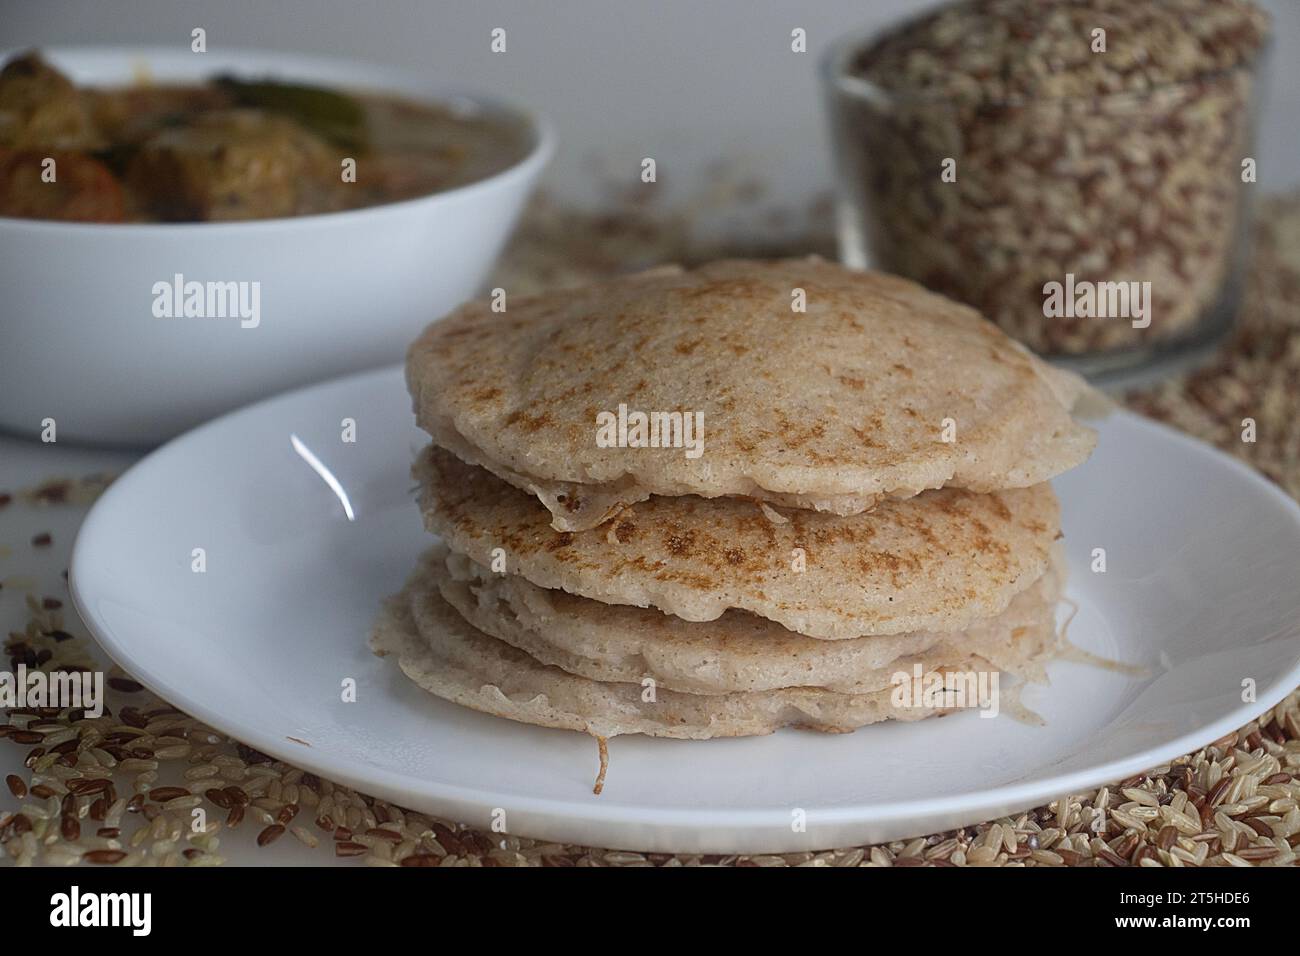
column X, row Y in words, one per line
column 869, row 499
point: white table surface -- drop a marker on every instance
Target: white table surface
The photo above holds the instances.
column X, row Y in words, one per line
column 26, row 569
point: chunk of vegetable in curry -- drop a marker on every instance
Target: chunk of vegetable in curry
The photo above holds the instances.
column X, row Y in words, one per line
column 230, row 149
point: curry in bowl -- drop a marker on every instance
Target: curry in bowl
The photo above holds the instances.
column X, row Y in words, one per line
column 228, row 149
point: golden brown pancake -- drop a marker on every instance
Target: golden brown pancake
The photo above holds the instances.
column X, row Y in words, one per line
column 878, row 390
column 739, row 652
column 445, row 656
column 935, row 562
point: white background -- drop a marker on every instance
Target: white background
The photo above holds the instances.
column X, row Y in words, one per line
column 683, row 81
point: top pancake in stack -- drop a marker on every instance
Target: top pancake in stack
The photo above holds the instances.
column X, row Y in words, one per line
column 871, row 496
column 832, row 409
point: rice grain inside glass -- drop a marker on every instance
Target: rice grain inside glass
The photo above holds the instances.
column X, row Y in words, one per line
column 995, row 147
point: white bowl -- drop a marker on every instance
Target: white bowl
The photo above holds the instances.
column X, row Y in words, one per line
column 338, row 292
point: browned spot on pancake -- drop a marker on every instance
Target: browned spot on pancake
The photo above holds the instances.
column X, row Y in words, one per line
column 486, row 394
column 734, row 556
column 798, row 435
column 686, row 348
column 856, row 384
column 917, row 524
column 680, row 544
column 561, row 540
column 700, row 582
column 902, row 369
column 953, row 503
column 866, row 438
column 579, row 388
column 527, row 422
column 984, row 543
column 897, row 566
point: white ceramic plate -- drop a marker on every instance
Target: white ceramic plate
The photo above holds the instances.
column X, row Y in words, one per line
column 1202, row 586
